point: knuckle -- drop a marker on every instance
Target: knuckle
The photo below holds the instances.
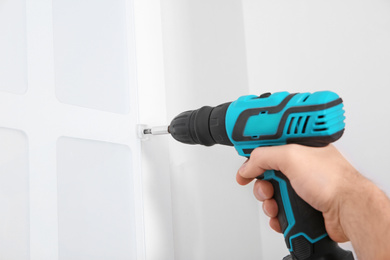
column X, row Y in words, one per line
column 256, row 153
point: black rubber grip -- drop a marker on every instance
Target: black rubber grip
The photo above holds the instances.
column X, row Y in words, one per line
column 303, row 226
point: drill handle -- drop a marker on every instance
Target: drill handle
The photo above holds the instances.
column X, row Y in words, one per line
column 303, row 226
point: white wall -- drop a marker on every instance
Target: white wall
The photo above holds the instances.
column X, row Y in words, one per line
column 194, row 209
column 327, row 45
column 152, row 110
column 205, row 64
column 215, row 51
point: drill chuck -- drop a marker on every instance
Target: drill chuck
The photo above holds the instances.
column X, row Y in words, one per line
column 205, row 126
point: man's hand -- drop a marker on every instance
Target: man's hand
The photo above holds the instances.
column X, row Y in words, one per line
column 329, row 183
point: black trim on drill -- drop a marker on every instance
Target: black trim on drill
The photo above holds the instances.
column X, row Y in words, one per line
column 313, row 141
column 239, row 127
column 238, row 131
column 316, row 141
column 248, row 151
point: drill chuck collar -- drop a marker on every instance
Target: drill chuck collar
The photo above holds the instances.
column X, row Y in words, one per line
column 205, row 126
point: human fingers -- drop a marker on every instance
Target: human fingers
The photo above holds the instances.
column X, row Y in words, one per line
column 262, row 159
column 270, row 208
column 243, row 181
column 263, row 190
column 275, row 225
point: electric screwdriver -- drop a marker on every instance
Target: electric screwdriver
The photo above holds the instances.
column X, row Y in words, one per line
column 312, row 119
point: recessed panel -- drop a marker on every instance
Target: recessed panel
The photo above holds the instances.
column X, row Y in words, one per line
column 90, row 54
column 95, row 200
column 13, row 46
column 14, row 195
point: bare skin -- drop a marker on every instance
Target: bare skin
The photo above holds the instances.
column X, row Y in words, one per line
column 353, row 207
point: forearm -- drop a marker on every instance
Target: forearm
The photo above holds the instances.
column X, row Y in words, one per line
column 365, row 218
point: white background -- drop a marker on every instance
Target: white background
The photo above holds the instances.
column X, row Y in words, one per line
column 336, row 45
column 70, row 94
column 215, row 51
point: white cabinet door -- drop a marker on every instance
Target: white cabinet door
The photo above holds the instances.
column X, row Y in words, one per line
column 69, row 153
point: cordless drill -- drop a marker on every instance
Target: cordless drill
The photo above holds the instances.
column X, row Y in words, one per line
column 311, row 119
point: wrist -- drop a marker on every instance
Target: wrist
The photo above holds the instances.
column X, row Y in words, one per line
column 364, row 217
column 354, row 204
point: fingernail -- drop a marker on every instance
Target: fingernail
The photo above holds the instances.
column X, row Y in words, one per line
column 260, row 194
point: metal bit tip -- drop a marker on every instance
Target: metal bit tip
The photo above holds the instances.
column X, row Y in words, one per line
column 147, row 131
column 157, row 130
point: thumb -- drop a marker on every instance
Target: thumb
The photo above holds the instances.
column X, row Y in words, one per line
column 262, row 159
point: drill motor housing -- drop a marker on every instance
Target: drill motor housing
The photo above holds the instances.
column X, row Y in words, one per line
column 315, row 119
column 309, row 119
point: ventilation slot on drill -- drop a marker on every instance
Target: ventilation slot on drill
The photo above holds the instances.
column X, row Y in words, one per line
column 290, row 125
column 305, row 124
column 320, row 124
column 297, row 126
column 305, row 98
